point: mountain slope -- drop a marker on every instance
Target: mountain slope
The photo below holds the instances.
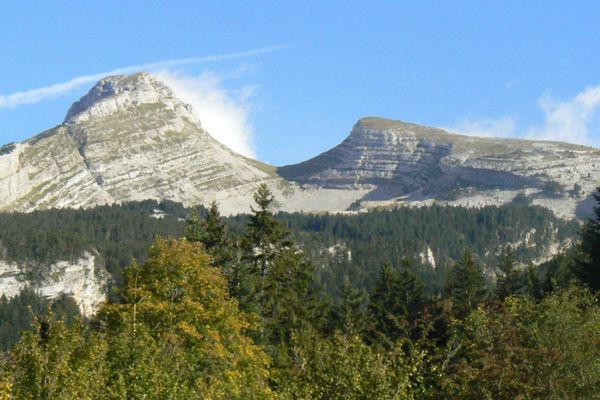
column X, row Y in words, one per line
column 140, row 130
column 47, row 171
column 404, row 162
column 129, row 138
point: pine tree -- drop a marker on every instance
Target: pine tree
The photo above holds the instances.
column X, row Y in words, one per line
column 394, row 305
column 533, row 283
column 209, row 231
column 350, row 315
column 275, row 279
column 265, row 236
column 588, row 267
column 466, row 285
column 508, row 283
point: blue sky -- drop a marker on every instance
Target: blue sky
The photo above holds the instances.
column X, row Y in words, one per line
column 500, row 68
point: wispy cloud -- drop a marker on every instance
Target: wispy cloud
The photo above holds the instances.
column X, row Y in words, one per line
column 486, row 127
column 575, row 120
column 512, row 83
column 224, row 113
column 37, row 95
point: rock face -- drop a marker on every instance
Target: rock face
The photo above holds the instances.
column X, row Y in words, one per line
column 130, row 138
column 81, row 279
column 406, row 163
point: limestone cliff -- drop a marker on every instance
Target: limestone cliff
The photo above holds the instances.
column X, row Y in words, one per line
column 82, row 279
column 403, row 163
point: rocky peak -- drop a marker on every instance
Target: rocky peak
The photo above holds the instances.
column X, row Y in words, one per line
column 120, row 92
column 407, row 163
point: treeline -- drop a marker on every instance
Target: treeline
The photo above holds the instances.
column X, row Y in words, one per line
column 222, row 316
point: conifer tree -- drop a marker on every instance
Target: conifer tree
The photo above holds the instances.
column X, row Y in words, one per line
column 394, row 305
column 275, row 278
column 350, row 315
column 214, row 229
column 291, row 299
column 264, row 239
column 209, row 231
column 588, row 267
column 382, row 307
column 194, row 229
column 533, row 283
column 265, row 236
column 508, row 282
column 410, row 291
column 466, row 285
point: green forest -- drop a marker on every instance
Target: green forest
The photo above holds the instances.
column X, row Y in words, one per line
column 341, row 245
column 258, row 307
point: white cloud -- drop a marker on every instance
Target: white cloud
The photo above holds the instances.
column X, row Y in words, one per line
column 573, row 120
column 225, row 114
column 32, row 96
column 487, row 127
column 576, row 120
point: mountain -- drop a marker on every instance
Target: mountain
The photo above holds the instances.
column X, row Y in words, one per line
column 404, row 163
column 130, row 138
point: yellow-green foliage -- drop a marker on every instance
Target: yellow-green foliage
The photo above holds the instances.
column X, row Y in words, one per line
column 346, row 368
column 59, row 362
column 176, row 335
column 179, row 309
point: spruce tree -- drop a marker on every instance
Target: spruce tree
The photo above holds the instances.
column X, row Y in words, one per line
column 394, row 305
column 275, row 279
column 508, row 282
column 209, row 231
column 533, row 283
column 265, row 236
column 290, row 301
column 410, row 291
column 588, row 267
column 382, row 308
column 350, row 314
column 466, row 285
column 214, row 229
column 194, row 229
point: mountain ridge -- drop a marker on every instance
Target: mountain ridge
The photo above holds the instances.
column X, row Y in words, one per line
column 409, row 163
column 130, row 138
